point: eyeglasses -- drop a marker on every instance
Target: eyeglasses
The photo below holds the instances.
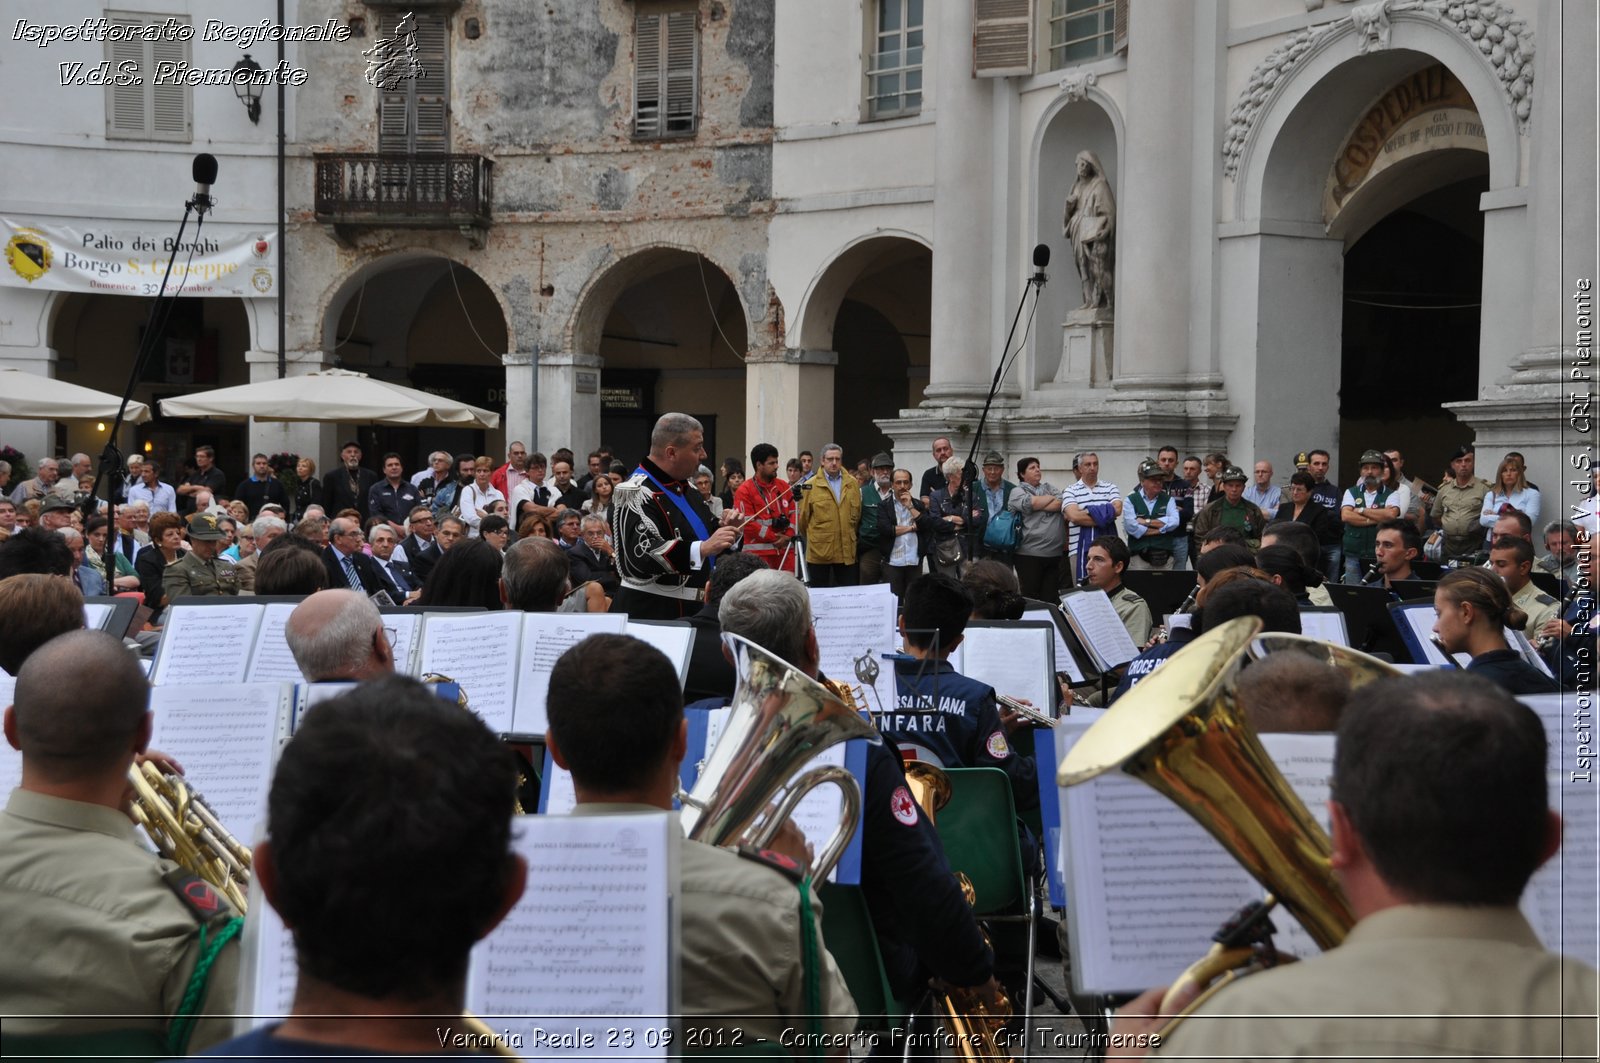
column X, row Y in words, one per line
column 391, row 635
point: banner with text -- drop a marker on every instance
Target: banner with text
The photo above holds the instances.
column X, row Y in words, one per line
column 126, row 258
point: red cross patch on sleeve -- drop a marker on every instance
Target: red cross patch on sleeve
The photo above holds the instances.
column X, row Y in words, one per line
column 903, row 807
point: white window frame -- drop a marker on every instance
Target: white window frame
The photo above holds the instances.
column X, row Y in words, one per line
column 666, row 73
column 1106, row 9
column 872, row 107
column 175, row 100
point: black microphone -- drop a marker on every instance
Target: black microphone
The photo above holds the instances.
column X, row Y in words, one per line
column 1041, row 259
column 205, row 175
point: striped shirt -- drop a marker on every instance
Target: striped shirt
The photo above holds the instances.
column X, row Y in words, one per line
column 1081, row 494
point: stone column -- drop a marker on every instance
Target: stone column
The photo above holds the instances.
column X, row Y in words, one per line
column 963, row 228
column 1154, row 240
column 789, row 398
column 568, row 402
column 522, row 397
column 311, row 439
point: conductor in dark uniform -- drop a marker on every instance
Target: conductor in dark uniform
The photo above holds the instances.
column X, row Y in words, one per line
column 666, row 539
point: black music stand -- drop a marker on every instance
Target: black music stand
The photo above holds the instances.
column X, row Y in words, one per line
column 1410, row 590
column 1366, row 614
column 1548, row 582
column 1163, row 591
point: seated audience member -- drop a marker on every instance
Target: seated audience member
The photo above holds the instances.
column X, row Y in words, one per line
column 468, row 574
column 941, row 716
column 37, row 551
column 496, row 531
column 1440, row 816
column 617, row 724
column 290, row 566
column 107, row 942
column 338, row 636
column 424, row 799
column 90, row 582
column 592, row 556
column 923, row 924
column 1473, row 610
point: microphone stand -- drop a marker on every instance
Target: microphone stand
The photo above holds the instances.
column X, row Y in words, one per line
column 970, row 471
column 110, row 457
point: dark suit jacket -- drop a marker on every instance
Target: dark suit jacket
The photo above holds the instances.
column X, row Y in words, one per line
column 587, row 565
column 373, row 578
column 926, row 524
column 710, row 674
column 420, row 556
column 406, row 573
column 337, row 495
column 1316, row 516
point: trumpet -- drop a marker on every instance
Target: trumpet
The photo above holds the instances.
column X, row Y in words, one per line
column 781, row 719
column 1026, row 711
column 185, row 830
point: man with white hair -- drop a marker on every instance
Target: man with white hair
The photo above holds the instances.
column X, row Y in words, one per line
column 265, row 529
column 90, row 582
column 338, row 636
column 41, row 484
column 67, row 483
column 666, row 539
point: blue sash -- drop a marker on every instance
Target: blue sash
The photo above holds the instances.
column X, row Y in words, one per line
column 687, row 510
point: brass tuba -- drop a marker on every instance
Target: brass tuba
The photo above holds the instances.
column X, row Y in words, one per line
column 185, row 830
column 1182, row 731
column 781, row 719
column 972, row 1027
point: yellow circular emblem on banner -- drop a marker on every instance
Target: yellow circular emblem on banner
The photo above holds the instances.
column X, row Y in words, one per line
column 28, row 254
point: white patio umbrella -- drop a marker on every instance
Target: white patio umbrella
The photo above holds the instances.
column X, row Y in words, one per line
column 331, row 395
column 27, row 397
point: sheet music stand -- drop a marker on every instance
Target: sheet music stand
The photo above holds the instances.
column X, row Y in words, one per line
column 1412, row 590
column 1366, row 614
column 1080, row 653
column 1162, row 591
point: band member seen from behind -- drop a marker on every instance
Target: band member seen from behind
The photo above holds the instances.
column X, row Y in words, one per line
column 923, row 924
column 940, row 715
column 378, row 755
column 617, row 724
column 1440, row 816
column 1473, row 610
column 767, row 506
column 665, row 539
column 111, row 949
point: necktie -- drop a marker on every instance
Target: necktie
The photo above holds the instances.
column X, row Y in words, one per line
column 351, row 574
column 399, row 580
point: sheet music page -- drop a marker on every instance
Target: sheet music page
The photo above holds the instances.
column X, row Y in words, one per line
column 591, row 937
column 479, row 651
column 407, row 633
column 545, row 637
column 272, row 964
column 94, row 616
column 817, row 814
column 1306, row 761
column 225, row 738
column 10, row 759
column 1015, row 661
column 850, row 622
column 207, row 644
column 1100, row 627
column 1561, row 900
column 272, row 660
column 1329, row 627
column 1420, row 621
column 1065, row 662
column 674, row 640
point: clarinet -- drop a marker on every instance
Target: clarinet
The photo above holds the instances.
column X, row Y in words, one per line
column 1374, row 574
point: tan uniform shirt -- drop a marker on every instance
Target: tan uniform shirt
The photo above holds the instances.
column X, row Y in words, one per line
column 1319, row 595
column 1457, row 510
column 741, row 946
column 1401, row 986
column 1539, row 606
column 1134, row 613
column 91, row 929
column 191, row 576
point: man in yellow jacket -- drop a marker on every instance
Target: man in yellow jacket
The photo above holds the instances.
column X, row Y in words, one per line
column 830, row 513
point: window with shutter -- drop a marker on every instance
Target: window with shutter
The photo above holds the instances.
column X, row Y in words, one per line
column 147, row 111
column 894, row 69
column 414, row 113
column 1083, row 30
column 1002, row 38
column 666, row 74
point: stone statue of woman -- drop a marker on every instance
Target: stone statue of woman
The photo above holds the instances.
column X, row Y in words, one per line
column 1091, row 226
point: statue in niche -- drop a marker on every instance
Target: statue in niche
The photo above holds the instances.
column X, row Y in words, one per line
column 1091, row 226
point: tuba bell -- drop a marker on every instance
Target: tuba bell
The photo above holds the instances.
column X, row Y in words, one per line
column 781, row 718
column 1183, row 732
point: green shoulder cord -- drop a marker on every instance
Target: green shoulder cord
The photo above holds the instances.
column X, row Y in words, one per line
column 183, row 1023
column 811, row 961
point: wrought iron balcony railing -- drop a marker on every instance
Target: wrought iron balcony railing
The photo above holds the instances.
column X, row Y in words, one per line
column 411, row 191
